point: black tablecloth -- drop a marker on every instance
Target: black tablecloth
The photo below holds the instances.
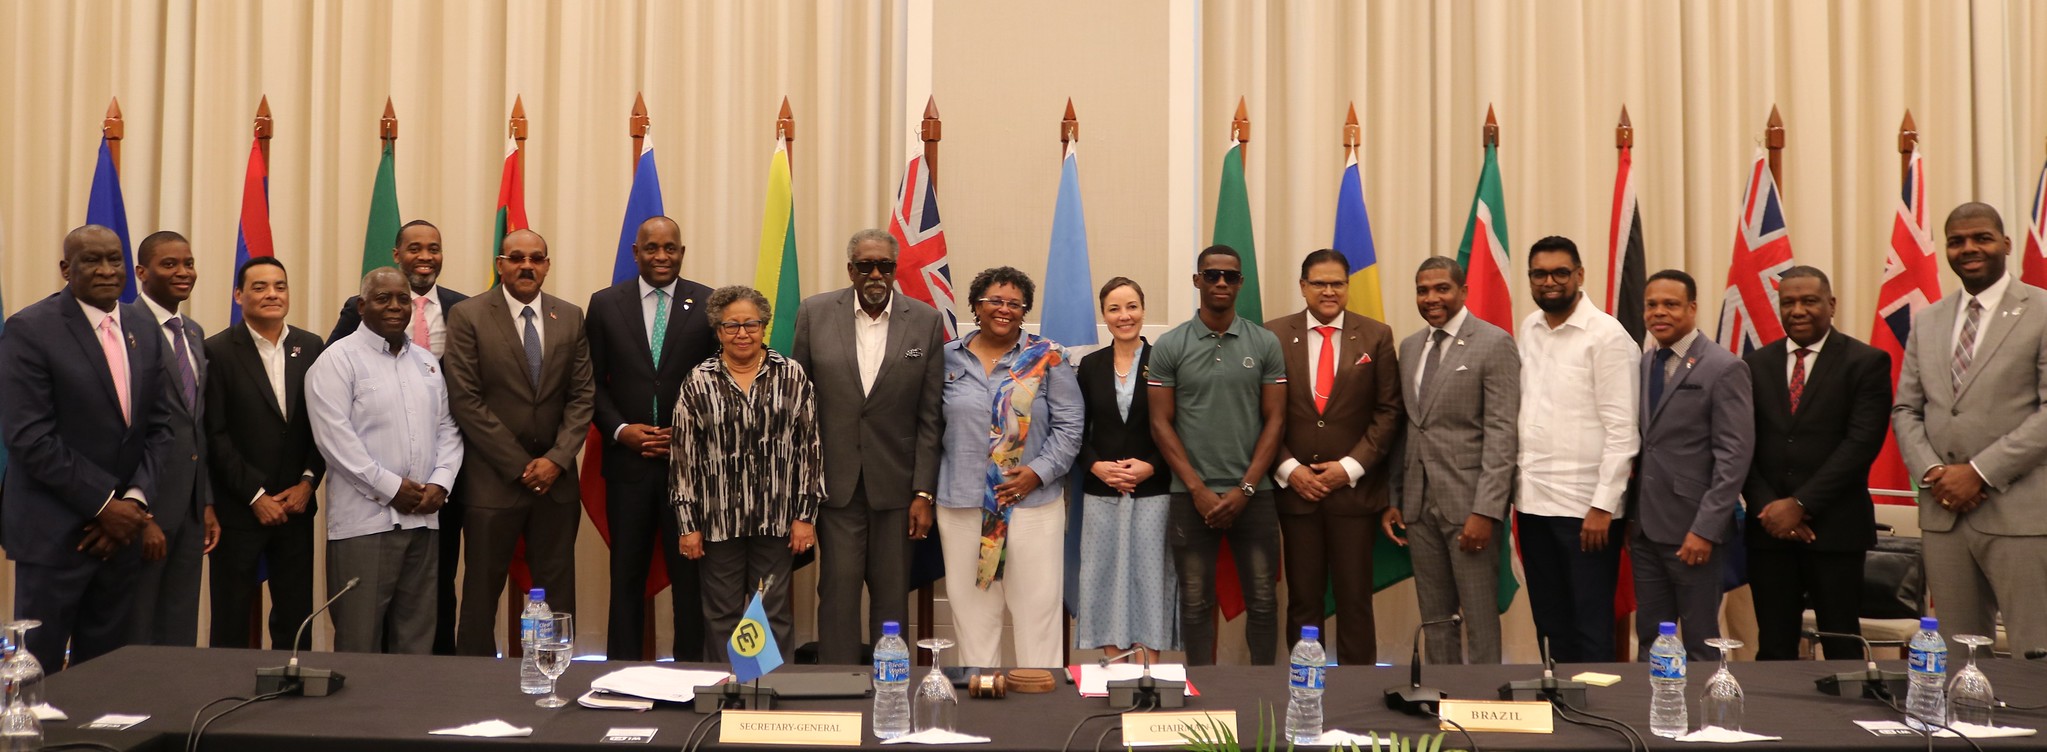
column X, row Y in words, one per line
column 390, row 702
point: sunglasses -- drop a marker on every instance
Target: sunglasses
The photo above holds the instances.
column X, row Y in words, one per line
column 521, row 259
column 868, row 267
column 1230, row 276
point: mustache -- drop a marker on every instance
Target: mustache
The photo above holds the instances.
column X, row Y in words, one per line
column 526, row 274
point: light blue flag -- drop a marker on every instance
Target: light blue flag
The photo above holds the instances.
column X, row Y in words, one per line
column 1069, row 303
column 752, row 649
column 104, row 207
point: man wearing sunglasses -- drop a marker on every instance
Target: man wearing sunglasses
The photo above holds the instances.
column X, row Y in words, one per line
column 1217, row 394
column 874, row 358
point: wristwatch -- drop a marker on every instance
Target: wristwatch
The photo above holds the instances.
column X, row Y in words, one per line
column 925, row 495
column 1248, row 489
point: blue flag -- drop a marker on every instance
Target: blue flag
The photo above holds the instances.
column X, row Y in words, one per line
column 752, row 649
column 105, row 208
column 1069, row 306
column 642, row 204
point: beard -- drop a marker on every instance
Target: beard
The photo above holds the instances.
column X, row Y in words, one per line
column 421, row 281
column 1558, row 305
column 874, row 295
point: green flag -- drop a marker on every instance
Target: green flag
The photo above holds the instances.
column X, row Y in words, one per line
column 382, row 234
column 1233, row 229
column 775, row 273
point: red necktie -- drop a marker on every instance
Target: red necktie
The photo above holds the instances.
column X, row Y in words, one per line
column 1798, row 376
column 1325, row 368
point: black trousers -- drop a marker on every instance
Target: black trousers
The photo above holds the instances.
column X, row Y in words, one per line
column 286, row 553
column 1570, row 592
column 642, row 522
column 860, row 547
column 1784, row 580
column 444, row 578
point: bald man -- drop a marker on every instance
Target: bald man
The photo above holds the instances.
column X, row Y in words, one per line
column 519, row 385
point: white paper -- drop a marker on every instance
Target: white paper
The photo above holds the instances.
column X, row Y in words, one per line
column 1974, row 731
column 602, row 700
column 1094, row 678
column 490, row 728
column 1339, row 737
column 658, row 683
column 46, row 712
column 1718, row 735
column 116, row 721
column 937, row 736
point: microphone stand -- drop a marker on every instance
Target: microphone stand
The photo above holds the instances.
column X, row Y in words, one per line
column 289, row 678
column 1415, row 699
column 1876, row 684
column 1126, row 693
column 1547, row 688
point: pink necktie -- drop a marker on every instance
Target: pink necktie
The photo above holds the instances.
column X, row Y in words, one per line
column 117, row 361
column 420, row 334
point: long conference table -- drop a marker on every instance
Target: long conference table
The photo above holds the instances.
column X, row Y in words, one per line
column 391, row 702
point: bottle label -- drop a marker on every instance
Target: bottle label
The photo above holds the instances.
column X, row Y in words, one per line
column 891, row 669
column 1304, row 676
column 1929, row 661
column 1666, row 666
column 529, row 629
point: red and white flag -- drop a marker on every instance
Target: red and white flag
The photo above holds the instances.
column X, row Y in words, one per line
column 1762, row 251
column 2034, row 270
column 923, row 271
column 1911, row 282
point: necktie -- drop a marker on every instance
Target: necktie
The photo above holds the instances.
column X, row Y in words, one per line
column 1798, row 375
column 656, row 340
column 1656, row 377
column 1965, row 345
column 1431, row 359
column 117, row 362
column 532, row 339
column 421, row 335
column 188, row 382
column 1325, row 368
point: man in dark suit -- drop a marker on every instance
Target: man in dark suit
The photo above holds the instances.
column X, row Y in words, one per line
column 1454, row 479
column 417, row 254
column 1343, row 412
column 518, row 370
column 83, row 402
column 1698, row 431
column 1822, row 401
column 265, row 467
column 645, row 336
column 182, row 527
column 875, row 358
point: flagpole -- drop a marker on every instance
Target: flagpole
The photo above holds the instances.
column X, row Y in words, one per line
column 1908, row 141
column 1773, row 139
column 931, row 131
column 636, row 126
column 387, row 127
column 517, row 128
column 785, row 130
column 1351, row 133
column 263, row 128
column 112, row 128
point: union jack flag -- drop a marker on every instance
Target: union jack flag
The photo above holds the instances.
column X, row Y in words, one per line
column 2033, row 270
column 1911, row 283
column 923, row 271
column 1762, row 251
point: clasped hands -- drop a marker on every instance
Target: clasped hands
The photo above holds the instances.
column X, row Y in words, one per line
column 414, row 498
column 1123, row 475
column 1957, row 487
column 1315, row 482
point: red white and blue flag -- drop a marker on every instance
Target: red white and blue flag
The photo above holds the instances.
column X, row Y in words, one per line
column 252, row 232
column 1762, row 251
column 2034, row 269
column 1911, row 282
column 923, row 270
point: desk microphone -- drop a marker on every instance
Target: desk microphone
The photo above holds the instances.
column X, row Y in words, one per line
column 1876, row 684
column 292, row 680
column 2036, row 654
column 1127, row 693
column 1547, row 688
column 1415, row 699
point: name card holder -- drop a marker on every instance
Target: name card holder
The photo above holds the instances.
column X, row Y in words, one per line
column 1490, row 715
column 1174, row 729
column 789, row 727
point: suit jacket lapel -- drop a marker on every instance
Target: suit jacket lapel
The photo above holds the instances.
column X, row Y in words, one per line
column 1452, row 358
column 1819, row 371
column 88, row 342
column 1684, row 371
column 243, row 346
column 629, row 310
column 501, row 323
column 1995, row 325
column 1937, row 326
column 1351, row 346
column 1294, row 349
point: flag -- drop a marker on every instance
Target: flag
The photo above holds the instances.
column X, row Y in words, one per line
column 752, row 650
column 252, row 231
column 1762, row 251
column 1483, row 250
column 1069, row 310
column 2034, row 271
column 923, row 270
column 1233, row 229
column 382, row 234
column 104, row 207
column 1626, row 278
column 511, row 214
column 1911, row 282
column 1354, row 241
column 775, row 273
column 643, row 202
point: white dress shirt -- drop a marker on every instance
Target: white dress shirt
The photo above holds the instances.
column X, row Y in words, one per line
column 1580, row 383
column 380, row 419
column 647, row 306
column 436, row 322
column 870, row 338
column 163, row 317
column 95, row 317
column 519, row 315
column 1283, row 473
column 271, row 354
column 1991, row 298
column 1430, row 355
column 1812, row 356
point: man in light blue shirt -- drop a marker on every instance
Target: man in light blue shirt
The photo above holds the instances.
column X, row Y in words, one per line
column 380, row 416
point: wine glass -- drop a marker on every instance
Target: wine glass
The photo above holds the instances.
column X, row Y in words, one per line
column 553, row 651
column 22, row 665
column 19, row 728
column 1721, row 705
column 936, row 702
column 1969, row 697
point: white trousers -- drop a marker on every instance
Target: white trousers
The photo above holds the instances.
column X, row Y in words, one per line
column 1033, row 577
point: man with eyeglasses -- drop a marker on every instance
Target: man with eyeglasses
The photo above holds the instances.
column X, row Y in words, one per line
column 1218, row 387
column 1580, row 374
column 520, row 386
column 1343, row 406
column 878, row 393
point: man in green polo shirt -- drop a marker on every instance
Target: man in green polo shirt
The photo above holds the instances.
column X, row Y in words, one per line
column 1218, row 393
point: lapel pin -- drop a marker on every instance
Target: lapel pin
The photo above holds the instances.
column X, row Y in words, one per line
column 1460, row 343
column 1689, row 362
column 687, row 302
column 131, row 340
column 551, row 315
column 1297, row 340
column 294, row 351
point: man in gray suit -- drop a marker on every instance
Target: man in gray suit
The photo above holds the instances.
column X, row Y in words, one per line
column 1968, row 417
column 519, row 386
column 1455, row 479
column 874, row 357
column 182, row 528
column 1698, row 433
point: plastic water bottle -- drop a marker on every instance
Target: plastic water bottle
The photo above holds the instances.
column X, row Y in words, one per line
column 1667, row 684
column 891, row 683
column 1304, row 684
column 1926, row 698
column 532, row 622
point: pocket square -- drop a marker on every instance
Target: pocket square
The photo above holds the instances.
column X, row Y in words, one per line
column 1463, row 368
column 913, row 353
column 1363, row 359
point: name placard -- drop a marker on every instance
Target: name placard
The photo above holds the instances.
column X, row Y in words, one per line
column 782, row 727
column 1173, row 729
column 1489, row 715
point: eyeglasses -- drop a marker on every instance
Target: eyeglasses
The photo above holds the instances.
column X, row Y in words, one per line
column 1230, row 276
column 521, row 259
column 1014, row 305
column 1561, row 274
column 868, row 267
column 1326, row 285
column 750, row 327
